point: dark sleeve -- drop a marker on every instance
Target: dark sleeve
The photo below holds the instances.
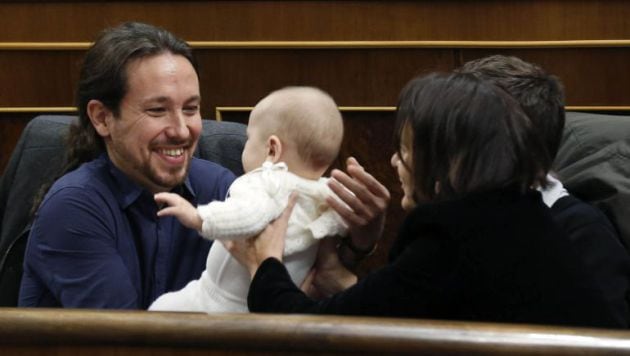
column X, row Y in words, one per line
column 72, row 252
column 410, row 286
column 599, row 247
column 597, row 242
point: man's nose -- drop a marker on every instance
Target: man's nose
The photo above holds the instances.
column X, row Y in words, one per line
column 178, row 127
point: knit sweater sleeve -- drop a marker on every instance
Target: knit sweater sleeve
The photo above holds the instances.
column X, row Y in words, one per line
column 245, row 213
column 329, row 223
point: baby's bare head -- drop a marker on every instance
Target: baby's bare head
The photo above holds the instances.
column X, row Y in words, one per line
column 305, row 119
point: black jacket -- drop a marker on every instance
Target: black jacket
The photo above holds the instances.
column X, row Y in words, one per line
column 495, row 256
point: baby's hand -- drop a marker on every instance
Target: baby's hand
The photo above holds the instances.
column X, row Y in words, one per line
column 180, row 208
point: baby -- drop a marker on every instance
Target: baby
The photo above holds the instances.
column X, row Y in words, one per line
column 293, row 136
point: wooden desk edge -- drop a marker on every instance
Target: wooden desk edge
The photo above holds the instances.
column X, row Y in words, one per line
column 295, row 333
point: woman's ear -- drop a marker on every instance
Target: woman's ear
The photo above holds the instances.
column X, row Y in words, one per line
column 274, row 149
column 99, row 115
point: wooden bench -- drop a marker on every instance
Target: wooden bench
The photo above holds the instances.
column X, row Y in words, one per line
column 92, row 332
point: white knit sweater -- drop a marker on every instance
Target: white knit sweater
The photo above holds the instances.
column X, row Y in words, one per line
column 254, row 200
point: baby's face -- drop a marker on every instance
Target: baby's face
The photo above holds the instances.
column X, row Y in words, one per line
column 255, row 151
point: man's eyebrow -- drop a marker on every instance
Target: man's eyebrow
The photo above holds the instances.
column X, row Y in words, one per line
column 157, row 99
column 166, row 99
column 193, row 98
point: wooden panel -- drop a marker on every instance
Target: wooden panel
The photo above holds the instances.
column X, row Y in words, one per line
column 38, row 79
column 232, row 77
column 355, row 77
column 88, row 332
column 324, row 20
column 591, row 76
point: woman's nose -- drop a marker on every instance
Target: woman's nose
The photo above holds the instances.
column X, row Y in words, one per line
column 394, row 160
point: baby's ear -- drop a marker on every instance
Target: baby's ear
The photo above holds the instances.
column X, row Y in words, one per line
column 274, row 149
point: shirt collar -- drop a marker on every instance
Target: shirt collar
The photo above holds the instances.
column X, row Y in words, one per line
column 553, row 191
column 128, row 191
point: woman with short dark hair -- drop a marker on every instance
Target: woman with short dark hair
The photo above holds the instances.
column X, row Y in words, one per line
column 478, row 242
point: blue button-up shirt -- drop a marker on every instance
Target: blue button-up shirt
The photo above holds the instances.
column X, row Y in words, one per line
column 97, row 242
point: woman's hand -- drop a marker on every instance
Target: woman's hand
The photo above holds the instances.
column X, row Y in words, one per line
column 269, row 243
column 366, row 201
column 328, row 276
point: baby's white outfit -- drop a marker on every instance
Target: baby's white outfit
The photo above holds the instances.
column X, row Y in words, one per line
column 254, row 200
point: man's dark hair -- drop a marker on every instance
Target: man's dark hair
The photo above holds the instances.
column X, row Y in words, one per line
column 469, row 135
column 540, row 94
column 104, row 77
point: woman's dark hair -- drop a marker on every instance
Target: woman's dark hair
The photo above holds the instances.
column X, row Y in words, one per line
column 103, row 77
column 469, row 135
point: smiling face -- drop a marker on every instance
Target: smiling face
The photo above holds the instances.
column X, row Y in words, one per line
column 402, row 162
column 153, row 138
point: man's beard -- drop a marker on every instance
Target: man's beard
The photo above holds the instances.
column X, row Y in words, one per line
column 175, row 177
column 148, row 174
